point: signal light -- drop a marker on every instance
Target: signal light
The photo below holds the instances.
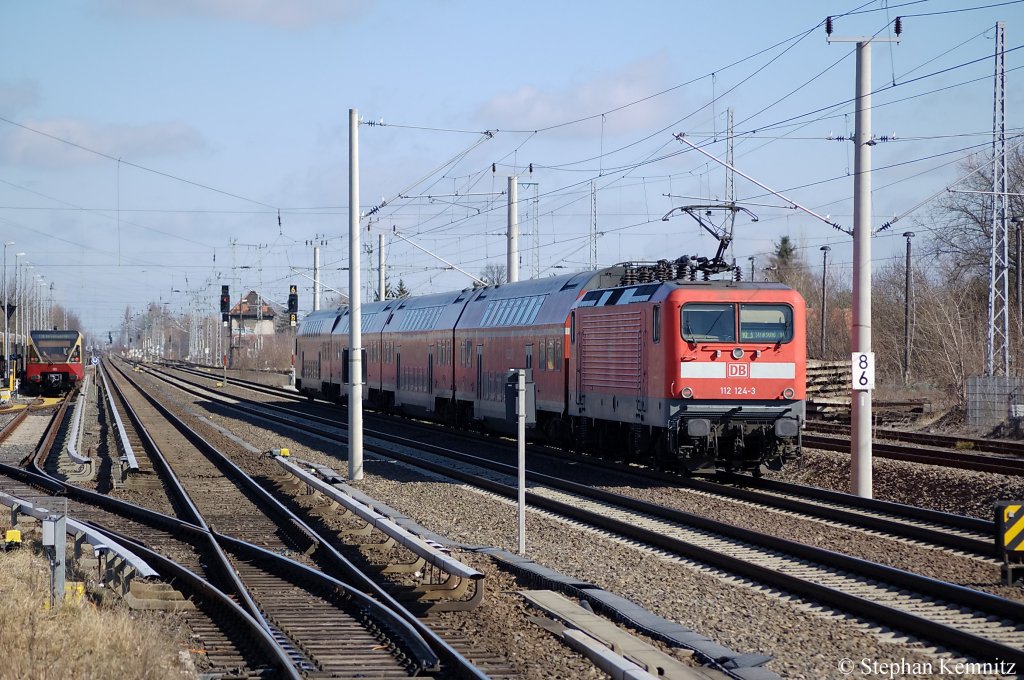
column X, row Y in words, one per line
column 225, row 300
column 293, row 301
column 292, row 319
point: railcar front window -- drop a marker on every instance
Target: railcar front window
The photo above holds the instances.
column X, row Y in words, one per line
column 766, row 323
column 709, row 322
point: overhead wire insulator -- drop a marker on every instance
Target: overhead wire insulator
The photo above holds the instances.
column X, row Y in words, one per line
column 899, row 25
column 828, row 25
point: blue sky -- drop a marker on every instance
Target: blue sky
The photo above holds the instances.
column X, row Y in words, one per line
column 147, row 147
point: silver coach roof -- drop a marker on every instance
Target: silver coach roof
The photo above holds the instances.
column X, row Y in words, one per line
column 318, row 322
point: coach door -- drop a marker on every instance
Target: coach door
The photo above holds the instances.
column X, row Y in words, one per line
column 579, row 346
column 398, row 369
column 430, row 369
column 479, row 373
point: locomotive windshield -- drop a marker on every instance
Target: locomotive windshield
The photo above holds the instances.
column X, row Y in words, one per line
column 54, row 346
column 709, row 322
column 716, row 322
column 766, row 323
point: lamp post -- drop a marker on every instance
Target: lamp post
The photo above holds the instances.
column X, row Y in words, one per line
column 824, row 309
column 18, row 293
column 906, row 315
column 7, row 351
column 40, row 286
column 26, row 312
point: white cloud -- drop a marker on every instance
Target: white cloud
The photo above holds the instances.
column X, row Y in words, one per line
column 289, row 14
column 38, row 144
column 529, row 108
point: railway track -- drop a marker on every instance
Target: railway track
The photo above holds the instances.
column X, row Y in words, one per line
column 219, row 571
column 261, row 540
column 914, row 453
column 229, row 638
column 962, row 452
column 936, row 611
column 956, row 532
column 948, row 441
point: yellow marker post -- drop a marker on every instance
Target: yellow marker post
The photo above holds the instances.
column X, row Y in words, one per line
column 1010, row 536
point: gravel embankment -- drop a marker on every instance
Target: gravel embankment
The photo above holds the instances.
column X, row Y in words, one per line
column 806, row 643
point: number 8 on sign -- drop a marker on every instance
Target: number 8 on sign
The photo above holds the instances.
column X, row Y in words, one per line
column 862, row 368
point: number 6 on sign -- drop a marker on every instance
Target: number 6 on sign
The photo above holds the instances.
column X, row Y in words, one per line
column 862, row 368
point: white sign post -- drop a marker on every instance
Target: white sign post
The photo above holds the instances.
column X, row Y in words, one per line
column 862, row 369
column 521, row 439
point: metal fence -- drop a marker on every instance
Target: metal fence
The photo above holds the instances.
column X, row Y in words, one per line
column 994, row 400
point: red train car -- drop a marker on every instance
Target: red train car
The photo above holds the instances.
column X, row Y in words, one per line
column 697, row 375
column 54, row 363
column 317, row 369
column 712, row 373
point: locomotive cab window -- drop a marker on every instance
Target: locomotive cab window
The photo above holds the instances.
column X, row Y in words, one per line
column 766, row 323
column 709, row 322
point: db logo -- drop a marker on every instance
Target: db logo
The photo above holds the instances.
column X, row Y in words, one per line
column 739, row 370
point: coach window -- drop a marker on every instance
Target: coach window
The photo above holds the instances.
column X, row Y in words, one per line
column 766, row 323
column 656, row 321
column 709, row 322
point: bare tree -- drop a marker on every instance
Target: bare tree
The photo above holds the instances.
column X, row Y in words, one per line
column 962, row 221
column 888, row 314
column 494, row 274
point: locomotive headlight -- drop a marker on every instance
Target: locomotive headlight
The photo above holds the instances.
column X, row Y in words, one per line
column 788, row 393
column 737, row 353
column 686, row 393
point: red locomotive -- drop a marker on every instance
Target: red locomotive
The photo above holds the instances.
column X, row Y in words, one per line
column 54, row 361
column 625, row 361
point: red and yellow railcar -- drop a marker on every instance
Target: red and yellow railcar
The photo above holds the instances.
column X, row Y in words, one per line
column 54, row 361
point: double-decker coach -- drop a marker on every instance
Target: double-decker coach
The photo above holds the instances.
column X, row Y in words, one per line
column 316, row 357
column 698, row 375
column 519, row 325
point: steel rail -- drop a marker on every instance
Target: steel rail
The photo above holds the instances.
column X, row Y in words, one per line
column 936, row 439
column 973, row 599
column 915, row 454
column 172, row 525
column 416, row 632
column 981, row 544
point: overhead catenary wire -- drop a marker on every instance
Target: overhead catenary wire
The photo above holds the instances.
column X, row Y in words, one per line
column 134, row 165
column 566, row 196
